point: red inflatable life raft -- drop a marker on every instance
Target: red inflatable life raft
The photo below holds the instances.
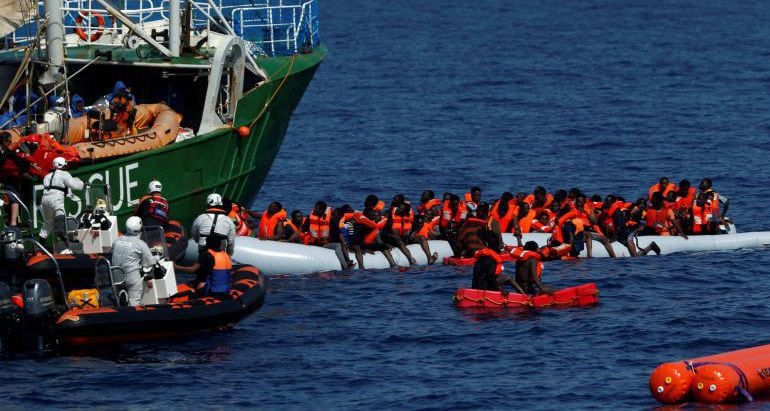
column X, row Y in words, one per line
column 582, row 295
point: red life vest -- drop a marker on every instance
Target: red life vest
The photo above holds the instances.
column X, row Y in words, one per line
column 241, row 228
column 401, row 225
column 488, row 252
column 319, row 226
column 157, row 207
column 268, row 223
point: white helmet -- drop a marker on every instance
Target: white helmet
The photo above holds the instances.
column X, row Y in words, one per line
column 154, row 187
column 133, row 225
column 59, row 163
column 214, row 199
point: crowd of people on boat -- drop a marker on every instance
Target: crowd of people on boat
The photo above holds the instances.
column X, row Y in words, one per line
column 473, row 227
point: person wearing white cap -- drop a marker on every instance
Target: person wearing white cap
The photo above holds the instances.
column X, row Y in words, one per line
column 153, row 208
column 214, row 223
column 133, row 255
column 56, row 185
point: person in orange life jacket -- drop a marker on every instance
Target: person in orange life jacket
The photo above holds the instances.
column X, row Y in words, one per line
column 576, row 225
column 713, row 215
column 213, row 270
column 453, row 212
column 469, row 237
column 425, row 232
column 663, row 187
column 472, row 200
column 539, row 199
column 501, row 215
column 488, row 268
column 614, row 222
column 292, row 229
column 367, row 228
column 428, row 201
column 702, row 214
column 153, row 208
column 318, row 223
column 528, row 275
column 522, row 222
column 659, row 220
column 122, row 116
column 543, row 223
column 339, row 237
column 399, row 226
column 685, row 196
column 272, row 222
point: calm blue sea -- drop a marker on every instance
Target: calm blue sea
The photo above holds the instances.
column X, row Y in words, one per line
column 603, row 95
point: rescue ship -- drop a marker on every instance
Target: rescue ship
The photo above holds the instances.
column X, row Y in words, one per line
column 213, row 85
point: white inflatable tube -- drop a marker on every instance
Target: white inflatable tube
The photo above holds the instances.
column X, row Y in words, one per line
column 378, row 261
column 274, row 257
column 668, row 244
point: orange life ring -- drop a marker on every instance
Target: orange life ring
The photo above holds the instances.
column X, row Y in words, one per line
column 99, row 25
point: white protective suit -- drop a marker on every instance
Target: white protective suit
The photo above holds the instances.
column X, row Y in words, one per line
column 201, row 229
column 133, row 255
column 56, row 185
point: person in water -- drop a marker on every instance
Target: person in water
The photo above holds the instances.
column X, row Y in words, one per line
column 528, row 272
column 488, row 268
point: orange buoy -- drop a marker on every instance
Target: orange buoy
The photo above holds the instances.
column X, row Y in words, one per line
column 727, row 377
column 670, row 382
column 244, row 132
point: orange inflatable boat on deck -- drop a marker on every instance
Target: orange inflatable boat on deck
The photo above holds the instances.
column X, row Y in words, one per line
column 582, row 295
column 729, row 377
column 158, row 125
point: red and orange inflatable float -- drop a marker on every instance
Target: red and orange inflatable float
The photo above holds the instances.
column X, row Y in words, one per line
column 729, row 377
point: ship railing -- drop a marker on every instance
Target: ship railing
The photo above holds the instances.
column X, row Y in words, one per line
column 271, row 27
column 278, row 29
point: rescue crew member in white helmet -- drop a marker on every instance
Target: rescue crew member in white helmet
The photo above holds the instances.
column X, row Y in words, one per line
column 214, row 223
column 56, row 185
column 133, row 255
column 153, row 208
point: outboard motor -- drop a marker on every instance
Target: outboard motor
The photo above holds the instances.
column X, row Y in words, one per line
column 11, row 253
column 6, row 316
column 38, row 316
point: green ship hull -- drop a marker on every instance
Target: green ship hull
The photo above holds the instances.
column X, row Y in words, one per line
column 219, row 161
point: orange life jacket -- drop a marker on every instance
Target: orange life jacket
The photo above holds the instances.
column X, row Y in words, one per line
column 505, row 220
column 656, row 187
column 538, row 227
column 526, row 223
column 447, row 215
column 685, row 203
column 319, row 226
column 658, row 220
column 401, row 225
column 520, row 254
column 427, row 228
column 268, row 223
column 432, row 203
column 530, row 199
column 488, row 252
